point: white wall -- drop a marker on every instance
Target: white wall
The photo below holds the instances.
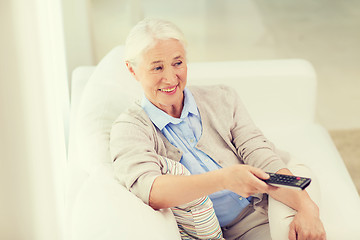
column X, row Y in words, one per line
column 33, row 103
column 326, row 33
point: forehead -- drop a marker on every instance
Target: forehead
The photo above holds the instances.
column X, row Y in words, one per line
column 164, row 50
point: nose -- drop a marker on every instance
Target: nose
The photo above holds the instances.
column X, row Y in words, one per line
column 170, row 76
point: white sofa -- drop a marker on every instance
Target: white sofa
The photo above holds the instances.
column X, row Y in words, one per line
column 279, row 94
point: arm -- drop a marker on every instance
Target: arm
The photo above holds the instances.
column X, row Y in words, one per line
column 169, row 190
column 135, row 162
column 295, row 199
column 306, row 223
column 173, row 190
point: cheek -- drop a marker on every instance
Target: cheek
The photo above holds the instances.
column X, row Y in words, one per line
column 183, row 74
column 150, row 84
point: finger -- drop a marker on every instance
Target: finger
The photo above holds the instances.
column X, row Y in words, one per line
column 259, row 186
column 258, row 176
column 259, row 173
column 292, row 233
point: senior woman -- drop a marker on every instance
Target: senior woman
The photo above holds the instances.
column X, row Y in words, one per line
column 205, row 130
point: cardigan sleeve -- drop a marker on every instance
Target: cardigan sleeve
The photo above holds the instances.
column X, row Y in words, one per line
column 251, row 145
column 132, row 149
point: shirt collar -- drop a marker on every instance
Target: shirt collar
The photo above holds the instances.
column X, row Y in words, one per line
column 161, row 118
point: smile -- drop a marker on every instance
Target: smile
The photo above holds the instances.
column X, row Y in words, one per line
column 168, row 90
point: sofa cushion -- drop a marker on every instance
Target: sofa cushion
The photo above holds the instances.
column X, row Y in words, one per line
column 109, row 91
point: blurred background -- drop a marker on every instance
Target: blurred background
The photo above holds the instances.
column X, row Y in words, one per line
column 324, row 32
column 42, row 41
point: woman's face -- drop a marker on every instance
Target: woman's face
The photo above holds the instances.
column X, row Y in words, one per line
column 162, row 74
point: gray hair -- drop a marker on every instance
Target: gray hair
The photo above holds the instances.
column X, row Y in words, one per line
column 146, row 33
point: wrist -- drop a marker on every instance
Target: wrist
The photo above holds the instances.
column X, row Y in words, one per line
column 218, row 179
column 308, row 205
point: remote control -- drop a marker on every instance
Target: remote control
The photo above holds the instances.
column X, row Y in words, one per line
column 281, row 180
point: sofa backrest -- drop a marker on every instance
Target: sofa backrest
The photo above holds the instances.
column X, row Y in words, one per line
column 276, row 92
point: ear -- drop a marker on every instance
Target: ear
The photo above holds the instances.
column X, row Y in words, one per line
column 131, row 69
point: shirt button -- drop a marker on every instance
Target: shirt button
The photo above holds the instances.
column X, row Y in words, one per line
column 192, row 140
column 241, row 198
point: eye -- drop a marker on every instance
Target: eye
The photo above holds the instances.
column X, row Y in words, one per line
column 178, row 63
column 158, row 68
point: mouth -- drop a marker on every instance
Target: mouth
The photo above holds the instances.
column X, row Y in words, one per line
column 170, row 90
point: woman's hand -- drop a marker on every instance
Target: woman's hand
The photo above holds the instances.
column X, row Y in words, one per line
column 244, row 180
column 307, row 225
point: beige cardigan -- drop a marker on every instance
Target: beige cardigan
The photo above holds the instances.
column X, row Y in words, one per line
column 229, row 137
